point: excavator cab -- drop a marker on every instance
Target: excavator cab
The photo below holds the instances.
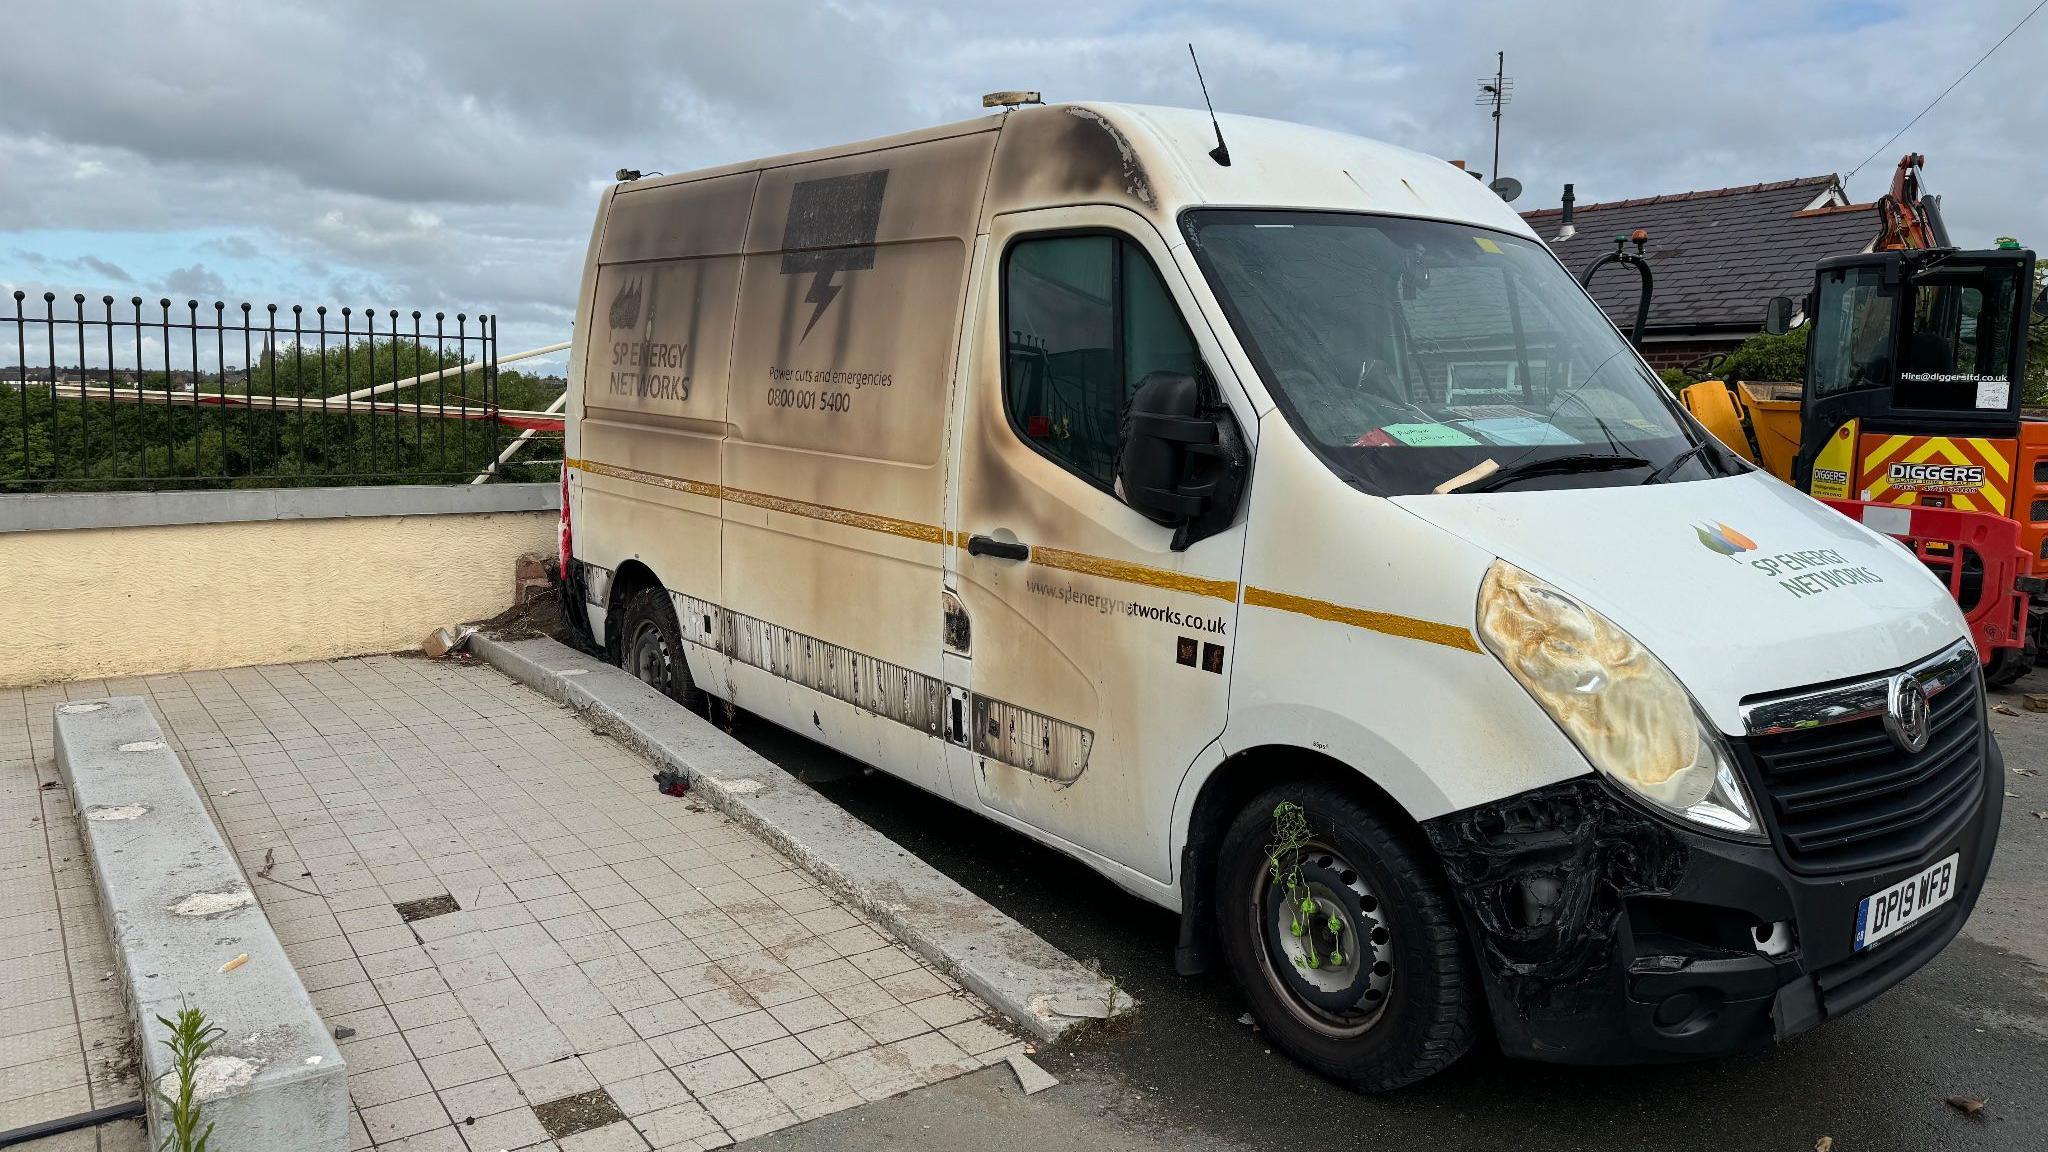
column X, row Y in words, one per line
column 1913, row 376
column 1909, row 417
column 1911, row 421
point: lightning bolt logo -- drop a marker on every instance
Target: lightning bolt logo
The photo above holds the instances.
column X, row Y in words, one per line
column 821, row 294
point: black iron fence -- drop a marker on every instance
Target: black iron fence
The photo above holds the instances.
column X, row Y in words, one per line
column 130, row 396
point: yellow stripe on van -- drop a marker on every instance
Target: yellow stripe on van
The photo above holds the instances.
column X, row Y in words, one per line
column 826, row 512
column 1407, row 627
column 1134, row 573
column 909, row 529
column 1386, row 623
column 673, row 483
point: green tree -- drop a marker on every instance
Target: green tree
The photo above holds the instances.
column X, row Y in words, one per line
column 273, row 436
column 1675, row 379
column 1767, row 357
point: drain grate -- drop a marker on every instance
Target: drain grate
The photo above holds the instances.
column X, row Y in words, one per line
column 428, row 908
column 579, row 1113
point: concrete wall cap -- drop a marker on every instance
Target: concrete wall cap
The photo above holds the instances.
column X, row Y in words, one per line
column 60, row 511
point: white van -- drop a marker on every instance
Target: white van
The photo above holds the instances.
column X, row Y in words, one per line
column 1284, row 533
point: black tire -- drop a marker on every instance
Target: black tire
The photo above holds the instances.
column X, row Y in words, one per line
column 1425, row 1015
column 651, row 645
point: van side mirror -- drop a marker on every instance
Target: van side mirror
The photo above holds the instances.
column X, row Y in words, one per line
column 2041, row 306
column 1778, row 316
column 1182, row 461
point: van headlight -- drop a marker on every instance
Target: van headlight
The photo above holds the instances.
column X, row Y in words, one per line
column 1630, row 716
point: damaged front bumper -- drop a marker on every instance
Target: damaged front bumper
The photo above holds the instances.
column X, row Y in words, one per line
column 1608, row 935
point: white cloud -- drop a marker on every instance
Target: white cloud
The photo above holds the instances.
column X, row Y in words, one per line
column 450, row 158
column 195, row 280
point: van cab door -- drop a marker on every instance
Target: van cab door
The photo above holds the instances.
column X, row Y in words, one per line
column 1099, row 658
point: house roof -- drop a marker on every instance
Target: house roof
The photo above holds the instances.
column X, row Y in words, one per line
column 1717, row 255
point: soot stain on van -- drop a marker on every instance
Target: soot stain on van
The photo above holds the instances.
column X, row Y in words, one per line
column 1542, row 877
column 1065, row 154
column 1135, row 182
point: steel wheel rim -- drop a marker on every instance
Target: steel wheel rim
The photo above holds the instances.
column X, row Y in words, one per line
column 648, row 656
column 1339, row 1000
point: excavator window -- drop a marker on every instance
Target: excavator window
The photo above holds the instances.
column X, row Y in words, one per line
column 1853, row 331
column 1940, row 334
column 1958, row 347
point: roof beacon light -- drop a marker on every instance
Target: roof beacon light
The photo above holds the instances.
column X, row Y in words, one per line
column 1011, row 99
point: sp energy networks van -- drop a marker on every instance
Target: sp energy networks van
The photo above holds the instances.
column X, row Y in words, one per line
column 1284, row 533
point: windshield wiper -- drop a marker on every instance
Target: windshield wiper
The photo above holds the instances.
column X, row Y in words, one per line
column 1670, row 467
column 1552, row 466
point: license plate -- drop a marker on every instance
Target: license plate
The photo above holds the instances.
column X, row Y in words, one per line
column 1893, row 909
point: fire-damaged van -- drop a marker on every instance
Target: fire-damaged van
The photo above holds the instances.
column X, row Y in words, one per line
column 1264, row 517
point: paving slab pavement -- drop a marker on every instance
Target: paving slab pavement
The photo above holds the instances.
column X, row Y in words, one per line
column 620, row 969
column 1036, row 985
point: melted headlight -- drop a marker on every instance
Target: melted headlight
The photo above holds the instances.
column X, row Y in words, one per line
column 1626, row 711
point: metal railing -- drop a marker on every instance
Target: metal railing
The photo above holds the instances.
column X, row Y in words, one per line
column 167, row 397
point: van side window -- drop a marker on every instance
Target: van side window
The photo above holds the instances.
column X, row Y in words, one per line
column 1085, row 318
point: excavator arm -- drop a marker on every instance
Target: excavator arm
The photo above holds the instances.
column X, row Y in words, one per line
column 1908, row 216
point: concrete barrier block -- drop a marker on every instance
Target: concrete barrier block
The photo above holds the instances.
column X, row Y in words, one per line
column 179, row 913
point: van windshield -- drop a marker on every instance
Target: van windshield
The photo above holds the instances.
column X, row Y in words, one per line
column 1408, row 352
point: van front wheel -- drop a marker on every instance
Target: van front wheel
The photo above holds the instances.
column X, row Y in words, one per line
column 1340, row 933
column 651, row 645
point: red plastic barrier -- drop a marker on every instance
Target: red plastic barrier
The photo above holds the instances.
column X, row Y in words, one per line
column 1941, row 537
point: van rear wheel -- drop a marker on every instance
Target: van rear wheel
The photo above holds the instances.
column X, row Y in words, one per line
column 651, row 645
column 1339, row 931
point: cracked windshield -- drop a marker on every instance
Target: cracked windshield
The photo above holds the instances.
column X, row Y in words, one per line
column 1411, row 353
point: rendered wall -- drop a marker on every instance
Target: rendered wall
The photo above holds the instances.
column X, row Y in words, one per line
column 87, row 603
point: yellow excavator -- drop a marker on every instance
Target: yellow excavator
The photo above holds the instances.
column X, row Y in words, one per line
column 1909, row 417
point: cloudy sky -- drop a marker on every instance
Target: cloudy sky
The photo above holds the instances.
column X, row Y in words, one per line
column 447, row 155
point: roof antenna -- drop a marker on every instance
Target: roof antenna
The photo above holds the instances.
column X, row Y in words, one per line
column 1221, row 152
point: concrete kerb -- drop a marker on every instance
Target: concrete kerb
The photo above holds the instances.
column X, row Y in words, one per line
column 1041, row 988
column 180, row 914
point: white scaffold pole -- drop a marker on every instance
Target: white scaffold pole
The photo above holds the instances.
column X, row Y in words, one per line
column 458, row 370
column 518, row 442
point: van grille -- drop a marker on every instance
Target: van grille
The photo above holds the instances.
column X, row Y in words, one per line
column 1846, row 798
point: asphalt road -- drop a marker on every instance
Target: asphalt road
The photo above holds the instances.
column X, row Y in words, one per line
column 1185, row 1073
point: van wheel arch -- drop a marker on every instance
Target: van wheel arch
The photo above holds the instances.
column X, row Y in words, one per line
column 630, row 578
column 1232, row 785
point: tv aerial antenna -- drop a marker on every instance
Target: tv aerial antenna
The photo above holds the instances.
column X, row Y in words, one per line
column 1496, row 92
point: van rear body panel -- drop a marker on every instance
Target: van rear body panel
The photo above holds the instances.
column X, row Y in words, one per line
column 835, row 481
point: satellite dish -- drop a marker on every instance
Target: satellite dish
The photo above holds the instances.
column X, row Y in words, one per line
column 1507, row 188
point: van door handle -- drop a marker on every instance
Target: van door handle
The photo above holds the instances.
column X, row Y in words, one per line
column 1000, row 549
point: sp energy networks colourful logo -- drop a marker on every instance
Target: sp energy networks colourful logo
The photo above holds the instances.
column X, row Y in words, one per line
column 1719, row 537
column 1803, row 573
